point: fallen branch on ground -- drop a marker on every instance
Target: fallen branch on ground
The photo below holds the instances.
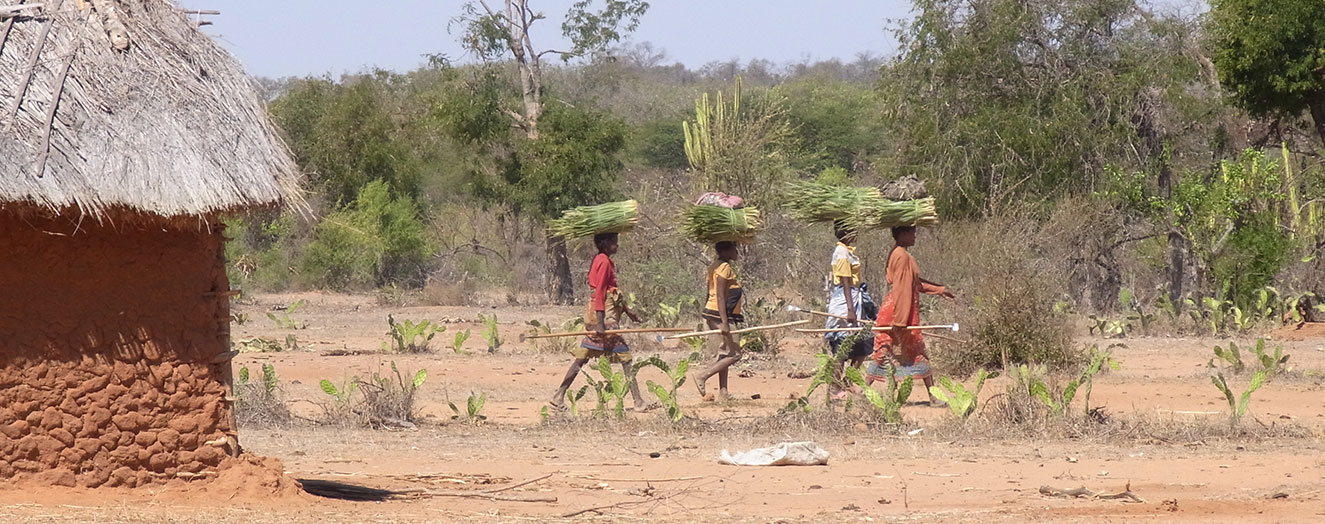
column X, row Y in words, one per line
column 491, row 494
column 1082, row 492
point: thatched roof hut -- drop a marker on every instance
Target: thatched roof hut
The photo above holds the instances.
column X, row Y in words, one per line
column 130, row 108
column 124, row 133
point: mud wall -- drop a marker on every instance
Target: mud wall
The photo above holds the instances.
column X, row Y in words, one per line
column 108, row 337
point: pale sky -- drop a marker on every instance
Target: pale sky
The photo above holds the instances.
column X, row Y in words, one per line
column 277, row 38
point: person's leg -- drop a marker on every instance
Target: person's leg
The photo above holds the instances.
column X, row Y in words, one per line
column 559, row 398
column 929, row 383
column 725, row 361
column 626, row 369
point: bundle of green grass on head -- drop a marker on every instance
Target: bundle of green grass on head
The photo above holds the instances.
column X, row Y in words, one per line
column 882, row 213
column 583, row 221
column 711, row 224
column 815, row 202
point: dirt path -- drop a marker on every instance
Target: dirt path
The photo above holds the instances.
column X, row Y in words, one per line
column 870, row 477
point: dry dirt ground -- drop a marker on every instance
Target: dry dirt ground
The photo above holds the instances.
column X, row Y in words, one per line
column 651, row 471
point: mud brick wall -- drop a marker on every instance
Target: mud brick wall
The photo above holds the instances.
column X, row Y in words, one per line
column 107, row 341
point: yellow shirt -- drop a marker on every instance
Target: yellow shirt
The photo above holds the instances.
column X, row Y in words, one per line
column 719, row 269
column 845, row 264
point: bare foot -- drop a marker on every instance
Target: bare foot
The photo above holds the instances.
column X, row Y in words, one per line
column 936, row 403
column 558, row 407
column 699, row 384
column 722, row 396
column 641, row 408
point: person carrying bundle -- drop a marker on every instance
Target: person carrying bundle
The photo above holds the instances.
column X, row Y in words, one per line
column 606, row 303
column 721, row 311
column 848, row 301
column 900, row 350
column 724, row 221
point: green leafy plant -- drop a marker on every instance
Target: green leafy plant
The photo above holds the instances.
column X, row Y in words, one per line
column 558, row 344
column 888, row 405
column 669, row 315
column 286, row 318
column 677, row 376
column 1099, row 360
column 611, row 387
column 259, row 404
column 340, row 394
column 410, row 336
column 490, row 332
column 341, row 409
column 1237, row 406
column 389, row 399
column 473, row 412
column 1232, row 356
column 961, row 401
column 1270, row 363
column 260, row 345
column 573, row 399
column 459, row 341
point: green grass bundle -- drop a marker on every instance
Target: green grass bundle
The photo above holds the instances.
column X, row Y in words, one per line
column 815, row 202
column 711, row 224
column 612, row 217
column 882, row 213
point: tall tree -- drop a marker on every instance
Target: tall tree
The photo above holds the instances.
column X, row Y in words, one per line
column 1271, row 55
column 554, row 176
column 504, row 32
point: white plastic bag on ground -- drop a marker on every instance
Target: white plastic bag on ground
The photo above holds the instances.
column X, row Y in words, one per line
column 784, row 454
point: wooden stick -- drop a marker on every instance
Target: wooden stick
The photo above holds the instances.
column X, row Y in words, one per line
column 609, row 332
column 945, row 337
column 876, row 328
column 740, row 331
column 513, row 486
column 678, row 479
column 830, row 315
column 50, row 115
column 482, row 495
column 7, row 10
column 21, row 90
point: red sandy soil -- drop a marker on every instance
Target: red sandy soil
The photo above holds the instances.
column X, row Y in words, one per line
column 870, row 477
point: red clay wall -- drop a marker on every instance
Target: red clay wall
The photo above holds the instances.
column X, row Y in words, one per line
column 107, row 338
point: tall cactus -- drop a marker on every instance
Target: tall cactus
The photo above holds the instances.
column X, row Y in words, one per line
column 710, row 120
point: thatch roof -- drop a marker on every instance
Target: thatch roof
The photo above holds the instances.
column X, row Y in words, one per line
column 123, row 105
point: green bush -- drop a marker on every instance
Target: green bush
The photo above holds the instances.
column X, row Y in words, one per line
column 1015, row 320
column 379, row 240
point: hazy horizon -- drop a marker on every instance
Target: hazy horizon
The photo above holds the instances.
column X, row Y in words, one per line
column 306, row 37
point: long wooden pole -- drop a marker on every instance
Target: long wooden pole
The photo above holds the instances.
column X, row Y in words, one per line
column 609, row 332
column 830, row 315
column 742, row 330
column 876, row 328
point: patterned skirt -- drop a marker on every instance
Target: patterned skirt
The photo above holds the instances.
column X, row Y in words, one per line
column 613, row 347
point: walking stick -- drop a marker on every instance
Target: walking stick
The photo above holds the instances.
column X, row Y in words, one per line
column 795, row 309
column 740, row 331
column 954, row 327
column 524, row 337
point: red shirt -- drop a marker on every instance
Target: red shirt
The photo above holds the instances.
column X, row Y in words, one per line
column 602, row 278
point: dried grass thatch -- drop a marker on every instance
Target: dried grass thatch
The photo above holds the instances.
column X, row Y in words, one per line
column 124, row 106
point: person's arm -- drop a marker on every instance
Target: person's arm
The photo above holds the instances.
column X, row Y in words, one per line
column 930, row 288
column 633, row 316
column 723, row 286
column 600, row 326
column 847, row 283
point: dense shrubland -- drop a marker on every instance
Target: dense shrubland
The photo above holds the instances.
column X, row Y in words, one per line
column 1087, row 160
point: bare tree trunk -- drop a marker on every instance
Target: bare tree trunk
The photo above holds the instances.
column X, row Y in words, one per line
column 1317, row 105
column 560, row 289
column 1177, row 266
